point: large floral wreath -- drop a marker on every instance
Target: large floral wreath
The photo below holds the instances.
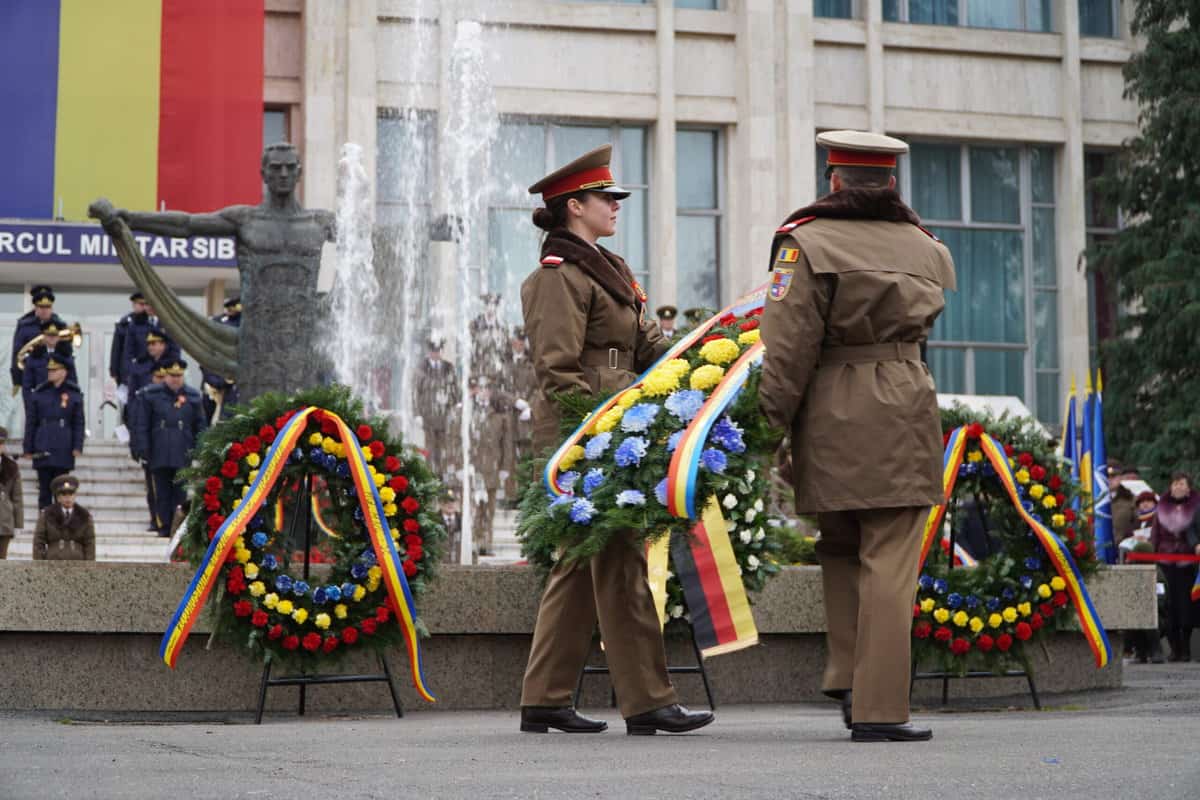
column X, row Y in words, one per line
column 984, row 616
column 266, row 605
column 615, row 478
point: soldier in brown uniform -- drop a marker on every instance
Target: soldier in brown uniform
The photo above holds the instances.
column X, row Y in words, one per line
column 435, row 395
column 522, row 386
column 857, row 286
column 491, row 453
column 589, row 333
column 12, row 502
column 64, row 530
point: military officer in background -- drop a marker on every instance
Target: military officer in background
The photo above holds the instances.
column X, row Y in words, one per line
column 856, row 288
column 452, row 522
column 12, row 497
column 522, row 386
column 491, row 454
column 435, row 400
column 30, row 325
column 491, row 351
column 589, row 332
column 215, row 386
column 54, row 428
column 139, row 320
column 666, row 320
column 148, row 369
column 56, row 344
column 167, row 425
column 64, row 531
column 142, row 369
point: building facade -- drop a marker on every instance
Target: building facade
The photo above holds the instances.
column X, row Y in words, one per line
column 712, row 107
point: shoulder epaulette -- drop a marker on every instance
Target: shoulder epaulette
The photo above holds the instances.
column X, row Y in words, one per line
column 789, row 227
column 929, row 233
column 552, row 261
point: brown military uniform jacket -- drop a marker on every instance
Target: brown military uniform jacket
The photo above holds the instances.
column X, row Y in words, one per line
column 12, row 504
column 58, row 537
column 491, row 447
column 587, row 326
column 842, row 327
column 435, row 393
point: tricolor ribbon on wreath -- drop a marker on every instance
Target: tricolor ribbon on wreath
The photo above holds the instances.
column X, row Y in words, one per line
column 704, row 561
column 1059, row 555
column 235, row 525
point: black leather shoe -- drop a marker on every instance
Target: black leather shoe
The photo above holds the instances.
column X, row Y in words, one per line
column 540, row 719
column 887, row 732
column 844, row 698
column 670, row 719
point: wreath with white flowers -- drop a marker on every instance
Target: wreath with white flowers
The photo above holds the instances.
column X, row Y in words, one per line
column 265, row 605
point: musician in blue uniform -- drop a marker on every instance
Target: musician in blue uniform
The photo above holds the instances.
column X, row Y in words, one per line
column 215, row 386
column 167, row 424
column 56, row 344
column 54, row 428
column 139, row 320
column 30, row 325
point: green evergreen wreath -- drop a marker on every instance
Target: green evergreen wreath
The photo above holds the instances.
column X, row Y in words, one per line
column 263, row 603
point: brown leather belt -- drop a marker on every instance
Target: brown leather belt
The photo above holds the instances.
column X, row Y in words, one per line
column 610, row 357
column 883, row 351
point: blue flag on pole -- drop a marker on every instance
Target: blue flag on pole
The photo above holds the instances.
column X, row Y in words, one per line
column 1070, row 442
column 1085, row 449
column 1101, row 501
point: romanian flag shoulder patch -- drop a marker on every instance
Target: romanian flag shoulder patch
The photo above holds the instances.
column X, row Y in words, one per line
column 789, row 255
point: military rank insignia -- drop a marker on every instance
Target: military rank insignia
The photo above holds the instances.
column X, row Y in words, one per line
column 789, row 255
column 781, row 282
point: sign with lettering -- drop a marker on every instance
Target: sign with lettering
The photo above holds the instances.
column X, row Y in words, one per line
column 62, row 242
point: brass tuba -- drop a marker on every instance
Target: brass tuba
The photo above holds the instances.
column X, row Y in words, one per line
column 76, row 340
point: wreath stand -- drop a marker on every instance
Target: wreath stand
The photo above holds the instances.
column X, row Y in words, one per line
column 697, row 669
column 946, row 676
column 304, row 680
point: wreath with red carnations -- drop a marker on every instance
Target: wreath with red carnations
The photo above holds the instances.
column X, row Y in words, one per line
column 263, row 601
column 986, row 616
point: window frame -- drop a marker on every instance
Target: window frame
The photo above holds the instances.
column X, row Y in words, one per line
column 1117, row 32
column 719, row 212
column 963, row 9
column 855, row 11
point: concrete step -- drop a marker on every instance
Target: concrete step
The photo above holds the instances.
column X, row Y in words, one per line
column 152, row 553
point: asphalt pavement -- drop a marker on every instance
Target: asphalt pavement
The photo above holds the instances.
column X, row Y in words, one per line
column 1139, row 742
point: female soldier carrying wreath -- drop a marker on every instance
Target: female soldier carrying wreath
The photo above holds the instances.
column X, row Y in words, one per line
column 588, row 331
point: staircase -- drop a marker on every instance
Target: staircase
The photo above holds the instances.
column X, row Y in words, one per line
column 504, row 539
column 113, row 490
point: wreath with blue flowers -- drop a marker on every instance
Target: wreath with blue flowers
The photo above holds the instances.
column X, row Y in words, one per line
column 986, row 616
column 264, row 604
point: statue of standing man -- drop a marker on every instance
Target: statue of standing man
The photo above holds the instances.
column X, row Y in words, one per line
column 278, row 256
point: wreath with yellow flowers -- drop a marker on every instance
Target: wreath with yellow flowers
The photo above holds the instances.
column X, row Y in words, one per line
column 984, row 615
column 265, row 604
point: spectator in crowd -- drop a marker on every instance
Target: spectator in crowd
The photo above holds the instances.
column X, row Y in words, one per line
column 1175, row 532
column 1124, row 514
column 54, row 428
column 1146, row 645
column 12, row 503
column 30, row 325
column 64, row 529
column 169, row 421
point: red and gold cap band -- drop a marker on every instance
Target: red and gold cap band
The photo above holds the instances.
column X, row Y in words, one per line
column 861, row 158
column 595, row 178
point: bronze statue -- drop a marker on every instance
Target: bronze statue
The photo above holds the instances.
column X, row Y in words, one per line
column 278, row 256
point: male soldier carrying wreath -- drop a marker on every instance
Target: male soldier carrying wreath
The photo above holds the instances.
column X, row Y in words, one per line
column 857, row 286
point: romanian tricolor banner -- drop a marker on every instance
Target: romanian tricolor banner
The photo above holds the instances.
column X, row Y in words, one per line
column 740, row 307
column 658, row 557
column 1059, row 555
column 235, row 525
column 712, row 585
column 956, row 448
column 152, row 103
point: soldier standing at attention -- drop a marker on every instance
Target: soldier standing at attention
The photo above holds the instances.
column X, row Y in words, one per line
column 857, row 286
column 522, row 386
column 435, row 395
column 12, row 500
column 54, row 428
column 30, row 325
column 139, row 317
column 588, row 332
column 166, row 426
column 214, row 385
column 64, row 530
column 666, row 320
column 491, row 451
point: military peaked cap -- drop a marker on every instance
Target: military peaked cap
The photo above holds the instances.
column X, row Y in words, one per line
column 64, row 484
column 590, row 172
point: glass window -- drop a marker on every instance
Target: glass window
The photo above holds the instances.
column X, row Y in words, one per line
column 572, row 141
column 1098, row 17
column 1000, row 372
column 841, row 9
column 275, row 127
column 1041, row 171
column 949, row 368
column 933, row 12
column 1017, row 15
column 1099, row 211
column 937, row 180
column 519, row 160
column 405, row 153
column 698, row 221
column 989, row 305
column 710, row 5
column 995, row 184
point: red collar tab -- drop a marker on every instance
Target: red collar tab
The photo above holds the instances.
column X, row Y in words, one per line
column 596, row 178
column 861, row 158
column 794, row 224
column 552, row 261
column 929, row 233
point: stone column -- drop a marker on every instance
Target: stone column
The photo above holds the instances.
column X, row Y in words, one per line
column 876, row 90
column 361, row 82
column 322, row 21
column 1071, row 215
column 214, row 296
column 798, row 185
column 664, row 252
column 753, row 206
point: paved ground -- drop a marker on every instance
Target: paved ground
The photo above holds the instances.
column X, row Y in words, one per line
column 1141, row 742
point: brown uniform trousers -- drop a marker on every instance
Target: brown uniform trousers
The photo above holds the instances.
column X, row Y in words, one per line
column 588, row 332
column 843, row 373
column 435, row 401
column 491, row 451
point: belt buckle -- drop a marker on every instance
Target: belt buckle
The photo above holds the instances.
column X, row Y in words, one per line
column 613, row 355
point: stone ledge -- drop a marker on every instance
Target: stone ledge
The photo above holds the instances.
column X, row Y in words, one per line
column 72, row 597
